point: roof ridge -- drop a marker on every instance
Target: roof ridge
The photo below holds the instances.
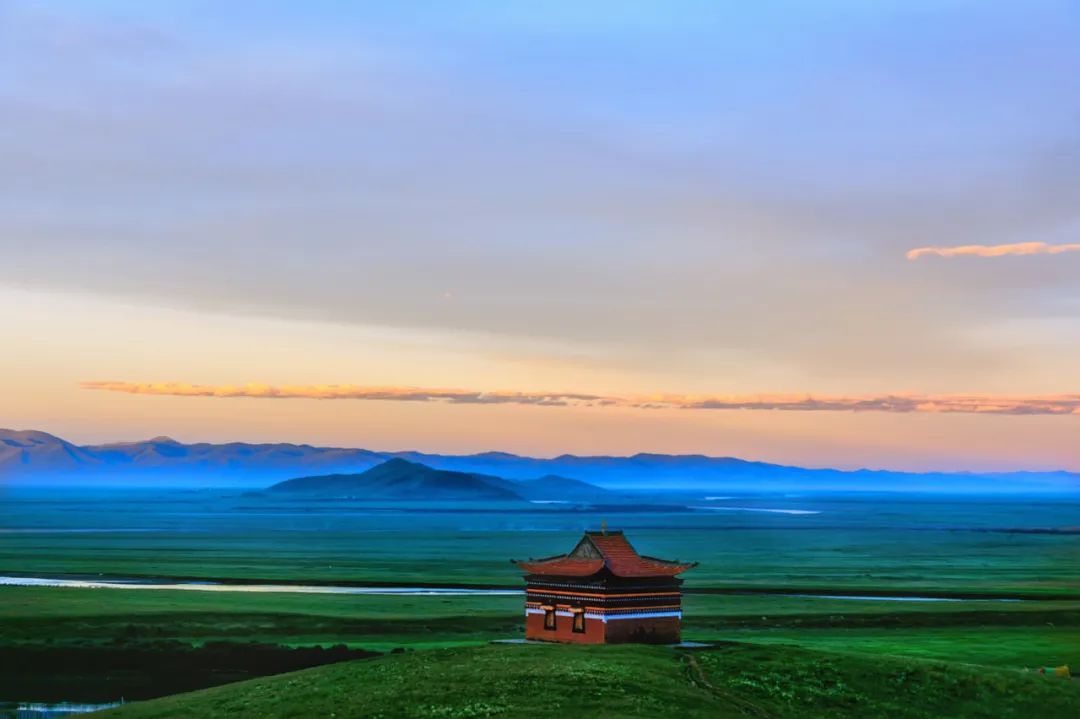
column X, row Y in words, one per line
column 670, row 562
column 616, row 554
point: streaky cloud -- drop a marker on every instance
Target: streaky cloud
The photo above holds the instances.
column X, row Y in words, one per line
column 349, row 391
column 1057, row 404
column 1019, row 248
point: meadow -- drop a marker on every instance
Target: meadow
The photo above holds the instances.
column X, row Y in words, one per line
column 1005, row 547
column 1007, row 591
column 729, row 680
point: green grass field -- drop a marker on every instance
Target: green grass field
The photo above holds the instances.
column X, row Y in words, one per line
column 809, row 559
column 892, row 544
column 1013, row 635
column 775, row 653
column 732, row 680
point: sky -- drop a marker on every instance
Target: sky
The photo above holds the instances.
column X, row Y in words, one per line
column 820, row 233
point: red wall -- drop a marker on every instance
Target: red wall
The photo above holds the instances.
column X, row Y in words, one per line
column 564, row 630
column 658, row 630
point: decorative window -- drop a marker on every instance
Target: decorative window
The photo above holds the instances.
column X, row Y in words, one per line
column 549, row 618
column 579, row 621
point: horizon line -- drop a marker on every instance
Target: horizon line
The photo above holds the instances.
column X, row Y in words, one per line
column 392, row 454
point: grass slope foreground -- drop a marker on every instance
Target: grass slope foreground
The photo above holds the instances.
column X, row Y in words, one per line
column 730, row 680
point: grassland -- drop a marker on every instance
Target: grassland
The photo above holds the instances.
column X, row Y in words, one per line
column 1001, row 634
column 897, row 545
column 800, row 559
column 36, row 615
column 943, row 549
column 102, row 644
column 731, row 680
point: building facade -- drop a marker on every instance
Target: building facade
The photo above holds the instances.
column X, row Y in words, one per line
column 603, row 592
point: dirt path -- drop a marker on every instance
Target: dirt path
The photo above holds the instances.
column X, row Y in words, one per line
column 696, row 676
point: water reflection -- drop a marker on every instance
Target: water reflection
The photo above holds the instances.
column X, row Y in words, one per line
column 37, row 710
column 204, row 586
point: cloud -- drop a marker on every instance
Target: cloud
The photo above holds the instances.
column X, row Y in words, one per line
column 565, row 213
column 349, row 391
column 1019, row 248
column 1059, row 404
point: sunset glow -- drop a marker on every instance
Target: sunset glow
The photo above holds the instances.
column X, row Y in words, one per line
column 902, row 403
column 547, row 229
column 1021, row 248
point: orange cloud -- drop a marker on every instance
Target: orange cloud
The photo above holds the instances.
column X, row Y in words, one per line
column 1060, row 404
column 348, row 391
column 1020, row 248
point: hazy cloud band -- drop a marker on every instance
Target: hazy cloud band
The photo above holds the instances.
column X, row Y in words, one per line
column 1020, row 248
column 1059, row 404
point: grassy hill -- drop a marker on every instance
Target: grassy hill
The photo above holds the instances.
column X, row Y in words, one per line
column 729, row 680
column 400, row 479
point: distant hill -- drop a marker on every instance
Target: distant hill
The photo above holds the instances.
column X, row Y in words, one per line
column 41, row 452
column 553, row 488
column 42, row 457
column 38, row 457
column 400, row 479
column 700, row 473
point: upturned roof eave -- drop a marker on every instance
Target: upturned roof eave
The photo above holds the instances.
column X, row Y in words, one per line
column 615, row 563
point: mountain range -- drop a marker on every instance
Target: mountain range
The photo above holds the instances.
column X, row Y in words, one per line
column 33, row 457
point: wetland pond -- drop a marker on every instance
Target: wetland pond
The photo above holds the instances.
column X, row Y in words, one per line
column 37, row 710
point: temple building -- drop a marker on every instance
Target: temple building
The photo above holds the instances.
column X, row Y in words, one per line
column 603, row 592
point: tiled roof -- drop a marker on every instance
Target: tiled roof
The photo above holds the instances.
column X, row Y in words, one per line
column 563, row 566
column 598, row 550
